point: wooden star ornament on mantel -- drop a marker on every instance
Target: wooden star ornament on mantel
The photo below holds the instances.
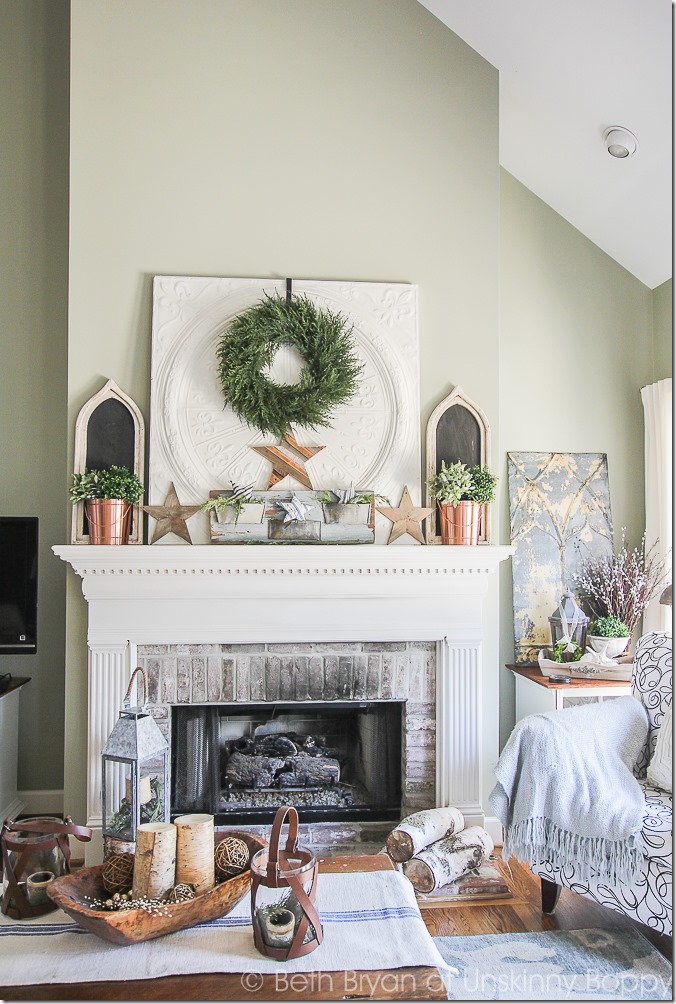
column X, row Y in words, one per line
column 288, row 458
column 406, row 518
column 171, row 517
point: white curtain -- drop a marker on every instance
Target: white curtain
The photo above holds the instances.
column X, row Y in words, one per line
column 657, row 403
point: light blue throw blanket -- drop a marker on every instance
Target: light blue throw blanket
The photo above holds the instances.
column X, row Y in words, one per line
column 566, row 793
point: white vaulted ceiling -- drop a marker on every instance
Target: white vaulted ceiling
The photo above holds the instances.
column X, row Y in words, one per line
column 569, row 70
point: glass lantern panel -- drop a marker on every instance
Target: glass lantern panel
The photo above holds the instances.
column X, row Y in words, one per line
column 119, row 819
column 40, row 858
column 277, row 910
column 117, row 808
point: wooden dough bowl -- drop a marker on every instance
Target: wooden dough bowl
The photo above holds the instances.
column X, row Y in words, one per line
column 127, row 927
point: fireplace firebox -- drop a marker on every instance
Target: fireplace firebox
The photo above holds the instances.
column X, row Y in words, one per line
column 333, row 761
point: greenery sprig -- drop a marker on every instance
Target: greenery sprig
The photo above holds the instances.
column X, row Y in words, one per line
column 236, row 500
column 559, row 653
column 359, row 498
column 329, row 377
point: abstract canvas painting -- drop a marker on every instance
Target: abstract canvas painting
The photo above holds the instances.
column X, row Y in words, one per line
column 559, row 510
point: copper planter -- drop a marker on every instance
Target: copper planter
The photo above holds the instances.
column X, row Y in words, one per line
column 109, row 521
column 460, row 523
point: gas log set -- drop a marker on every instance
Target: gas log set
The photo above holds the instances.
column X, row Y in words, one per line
column 333, row 763
column 280, row 760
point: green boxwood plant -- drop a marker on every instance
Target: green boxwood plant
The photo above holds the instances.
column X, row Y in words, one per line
column 608, row 627
column 112, row 482
column 459, row 483
column 483, row 485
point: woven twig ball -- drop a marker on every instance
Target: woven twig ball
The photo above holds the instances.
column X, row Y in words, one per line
column 118, row 873
column 182, row 892
column 231, row 857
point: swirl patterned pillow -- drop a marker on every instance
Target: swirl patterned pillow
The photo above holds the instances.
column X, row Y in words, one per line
column 660, row 767
column 652, row 686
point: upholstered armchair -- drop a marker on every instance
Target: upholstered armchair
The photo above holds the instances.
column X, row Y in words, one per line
column 649, row 899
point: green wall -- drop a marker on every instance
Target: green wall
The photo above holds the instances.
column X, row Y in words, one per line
column 33, row 345
column 663, row 331
column 364, row 147
column 575, row 350
column 309, row 138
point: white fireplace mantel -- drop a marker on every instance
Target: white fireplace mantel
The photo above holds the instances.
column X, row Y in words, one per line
column 140, row 595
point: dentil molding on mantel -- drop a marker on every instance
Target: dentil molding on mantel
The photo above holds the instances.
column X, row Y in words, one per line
column 298, row 559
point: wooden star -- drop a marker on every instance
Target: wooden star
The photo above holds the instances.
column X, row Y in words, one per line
column 406, row 518
column 171, row 517
column 288, row 459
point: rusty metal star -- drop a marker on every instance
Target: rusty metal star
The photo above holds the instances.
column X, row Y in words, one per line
column 406, row 518
column 171, row 517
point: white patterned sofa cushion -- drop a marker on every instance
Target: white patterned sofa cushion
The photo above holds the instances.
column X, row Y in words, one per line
column 649, row 899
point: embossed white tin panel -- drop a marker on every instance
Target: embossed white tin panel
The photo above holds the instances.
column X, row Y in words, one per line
column 199, row 444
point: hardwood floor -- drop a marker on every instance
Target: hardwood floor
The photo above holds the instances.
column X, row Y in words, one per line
column 522, row 912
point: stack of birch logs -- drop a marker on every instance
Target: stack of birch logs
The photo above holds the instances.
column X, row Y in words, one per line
column 168, row 854
column 434, row 848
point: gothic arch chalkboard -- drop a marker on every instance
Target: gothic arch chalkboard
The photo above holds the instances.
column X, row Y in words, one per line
column 109, row 430
column 457, row 430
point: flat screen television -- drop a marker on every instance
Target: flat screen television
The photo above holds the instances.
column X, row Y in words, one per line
column 18, row 585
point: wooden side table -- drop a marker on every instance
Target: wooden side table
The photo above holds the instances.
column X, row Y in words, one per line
column 536, row 693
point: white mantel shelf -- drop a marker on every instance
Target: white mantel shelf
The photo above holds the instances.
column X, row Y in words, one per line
column 296, row 559
column 206, row 594
column 240, row 593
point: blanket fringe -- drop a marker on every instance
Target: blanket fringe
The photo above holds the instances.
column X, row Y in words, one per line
column 538, row 840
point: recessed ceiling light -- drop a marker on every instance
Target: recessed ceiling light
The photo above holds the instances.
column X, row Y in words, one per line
column 620, row 142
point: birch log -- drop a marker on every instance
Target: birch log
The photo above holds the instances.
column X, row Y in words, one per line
column 195, row 851
column 448, row 859
column 421, row 829
column 155, row 860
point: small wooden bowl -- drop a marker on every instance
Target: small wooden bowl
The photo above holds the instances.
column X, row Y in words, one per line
column 127, row 927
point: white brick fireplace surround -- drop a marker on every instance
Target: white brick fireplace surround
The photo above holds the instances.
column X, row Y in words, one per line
column 211, row 595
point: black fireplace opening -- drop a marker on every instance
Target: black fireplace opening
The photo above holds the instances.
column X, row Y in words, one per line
column 333, row 761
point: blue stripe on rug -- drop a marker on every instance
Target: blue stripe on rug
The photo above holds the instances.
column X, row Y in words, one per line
column 585, row 965
column 350, row 917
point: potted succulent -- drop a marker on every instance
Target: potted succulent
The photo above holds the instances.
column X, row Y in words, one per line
column 348, row 506
column 108, row 496
column 609, row 636
column 233, row 506
column 461, row 492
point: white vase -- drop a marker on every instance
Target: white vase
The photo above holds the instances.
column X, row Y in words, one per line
column 611, row 646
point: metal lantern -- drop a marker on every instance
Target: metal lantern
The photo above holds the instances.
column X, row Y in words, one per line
column 134, row 771
column 285, row 921
column 569, row 622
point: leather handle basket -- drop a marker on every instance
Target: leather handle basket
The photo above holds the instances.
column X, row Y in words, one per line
column 282, row 872
column 56, row 833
